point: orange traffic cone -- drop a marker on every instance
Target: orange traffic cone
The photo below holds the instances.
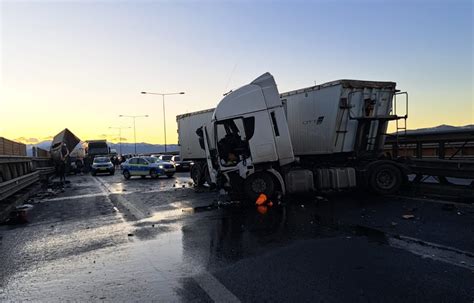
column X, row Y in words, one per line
column 261, row 199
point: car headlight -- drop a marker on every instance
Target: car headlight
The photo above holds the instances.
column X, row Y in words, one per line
column 160, row 166
column 177, row 164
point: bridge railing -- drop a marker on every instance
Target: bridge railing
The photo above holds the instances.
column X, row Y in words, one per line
column 18, row 172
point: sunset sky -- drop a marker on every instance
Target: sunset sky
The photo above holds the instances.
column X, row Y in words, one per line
column 81, row 64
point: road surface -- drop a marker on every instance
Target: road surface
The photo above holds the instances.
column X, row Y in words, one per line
column 110, row 240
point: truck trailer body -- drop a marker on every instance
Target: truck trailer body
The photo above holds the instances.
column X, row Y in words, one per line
column 191, row 145
column 325, row 119
column 188, row 140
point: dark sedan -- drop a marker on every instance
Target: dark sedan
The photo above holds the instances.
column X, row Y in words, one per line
column 181, row 165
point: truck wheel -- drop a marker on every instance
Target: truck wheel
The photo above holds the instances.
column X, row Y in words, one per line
column 385, row 179
column 196, row 175
column 259, row 183
column 126, row 174
column 170, row 175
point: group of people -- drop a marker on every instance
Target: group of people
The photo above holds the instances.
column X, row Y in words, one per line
column 117, row 160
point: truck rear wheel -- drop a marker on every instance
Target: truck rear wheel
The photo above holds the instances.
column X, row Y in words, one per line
column 259, row 183
column 385, row 179
column 196, row 175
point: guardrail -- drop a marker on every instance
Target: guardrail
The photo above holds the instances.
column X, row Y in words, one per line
column 8, row 188
column 18, row 172
column 446, row 168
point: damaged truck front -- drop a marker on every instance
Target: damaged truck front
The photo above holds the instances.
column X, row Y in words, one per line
column 325, row 137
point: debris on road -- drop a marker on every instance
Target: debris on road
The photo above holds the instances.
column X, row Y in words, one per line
column 408, row 217
column 20, row 214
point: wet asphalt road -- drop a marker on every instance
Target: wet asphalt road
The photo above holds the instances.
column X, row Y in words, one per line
column 107, row 239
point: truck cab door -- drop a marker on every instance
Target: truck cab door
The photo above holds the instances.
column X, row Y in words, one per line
column 209, row 155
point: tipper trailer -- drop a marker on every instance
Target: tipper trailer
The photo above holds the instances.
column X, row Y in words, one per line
column 324, row 137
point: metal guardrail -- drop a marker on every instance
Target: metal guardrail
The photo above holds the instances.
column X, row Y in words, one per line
column 447, row 168
column 10, row 187
column 18, row 172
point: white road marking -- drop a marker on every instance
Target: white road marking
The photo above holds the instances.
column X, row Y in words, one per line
column 215, row 289
column 434, row 251
column 138, row 214
column 74, row 197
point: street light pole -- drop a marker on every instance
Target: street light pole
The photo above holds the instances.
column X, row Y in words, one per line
column 120, row 135
column 134, row 127
column 164, row 112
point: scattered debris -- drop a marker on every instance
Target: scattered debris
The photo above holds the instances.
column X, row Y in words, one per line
column 130, row 235
column 20, row 214
column 394, row 223
column 407, row 217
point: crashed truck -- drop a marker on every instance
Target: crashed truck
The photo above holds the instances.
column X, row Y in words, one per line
column 320, row 138
column 62, row 145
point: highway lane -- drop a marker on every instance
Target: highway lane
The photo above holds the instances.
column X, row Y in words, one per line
column 107, row 239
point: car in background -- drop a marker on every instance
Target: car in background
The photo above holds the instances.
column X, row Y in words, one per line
column 102, row 164
column 147, row 166
column 180, row 164
column 165, row 157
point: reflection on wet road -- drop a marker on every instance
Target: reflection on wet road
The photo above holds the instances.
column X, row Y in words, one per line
column 107, row 239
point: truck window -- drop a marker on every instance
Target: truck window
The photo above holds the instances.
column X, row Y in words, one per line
column 249, row 125
column 275, row 125
column 232, row 141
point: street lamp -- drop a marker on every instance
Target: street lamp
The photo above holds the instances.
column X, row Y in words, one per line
column 164, row 114
column 134, row 129
column 120, row 135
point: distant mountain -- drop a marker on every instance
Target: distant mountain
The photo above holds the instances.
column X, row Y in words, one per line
column 127, row 148
column 441, row 129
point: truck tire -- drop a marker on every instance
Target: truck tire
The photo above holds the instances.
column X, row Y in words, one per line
column 126, row 174
column 385, row 179
column 196, row 175
column 259, row 183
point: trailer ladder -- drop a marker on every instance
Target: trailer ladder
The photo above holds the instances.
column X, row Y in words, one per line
column 401, row 123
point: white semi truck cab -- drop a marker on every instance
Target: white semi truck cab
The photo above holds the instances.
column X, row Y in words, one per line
column 326, row 137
